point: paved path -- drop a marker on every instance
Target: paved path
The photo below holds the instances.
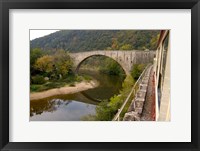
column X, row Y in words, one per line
column 148, row 113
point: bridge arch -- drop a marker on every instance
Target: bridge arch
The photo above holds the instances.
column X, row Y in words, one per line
column 81, row 62
column 125, row 59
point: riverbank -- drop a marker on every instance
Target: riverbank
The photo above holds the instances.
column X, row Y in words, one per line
column 78, row 87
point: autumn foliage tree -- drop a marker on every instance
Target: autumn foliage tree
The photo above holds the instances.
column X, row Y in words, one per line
column 115, row 44
column 56, row 65
column 44, row 64
column 63, row 62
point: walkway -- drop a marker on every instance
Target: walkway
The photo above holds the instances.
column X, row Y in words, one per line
column 148, row 113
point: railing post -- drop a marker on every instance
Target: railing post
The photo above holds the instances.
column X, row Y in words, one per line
column 118, row 115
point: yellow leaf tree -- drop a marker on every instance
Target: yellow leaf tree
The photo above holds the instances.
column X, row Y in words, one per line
column 44, row 64
column 63, row 62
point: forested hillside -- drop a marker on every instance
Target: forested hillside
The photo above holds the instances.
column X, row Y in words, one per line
column 88, row 40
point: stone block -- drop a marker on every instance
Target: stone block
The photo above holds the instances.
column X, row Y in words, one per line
column 145, row 78
column 145, row 81
column 140, row 99
column 131, row 116
column 143, row 86
column 141, row 94
column 138, row 110
column 139, row 104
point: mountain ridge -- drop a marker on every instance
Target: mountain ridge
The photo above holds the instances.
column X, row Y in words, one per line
column 88, row 40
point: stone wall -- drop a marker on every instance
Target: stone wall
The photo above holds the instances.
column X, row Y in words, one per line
column 136, row 108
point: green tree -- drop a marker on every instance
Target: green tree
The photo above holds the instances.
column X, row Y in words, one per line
column 154, row 41
column 38, row 79
column 127, row 85
column 34, row 55
column 111, row 67
column 63, row 62
column 137, row 70
column 106, row 110
column 126, row 47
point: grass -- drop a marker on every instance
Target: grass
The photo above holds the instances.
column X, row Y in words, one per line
column 125, row 109
column 46, row 86
column 70, row 81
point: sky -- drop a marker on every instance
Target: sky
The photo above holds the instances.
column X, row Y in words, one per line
column 40, row 33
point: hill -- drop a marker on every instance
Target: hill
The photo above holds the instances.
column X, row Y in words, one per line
column 87, row 40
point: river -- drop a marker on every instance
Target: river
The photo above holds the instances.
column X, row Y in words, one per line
column 74, row 107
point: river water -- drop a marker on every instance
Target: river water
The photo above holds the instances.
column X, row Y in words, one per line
column 74, row 107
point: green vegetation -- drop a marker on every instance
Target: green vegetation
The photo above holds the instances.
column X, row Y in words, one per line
column 51, row 64
column 55, row 65
column 88, row 40
column 38, row 79
column 34, row 55
column 68, row 81
column 104, row 65
column 111, row 67
column 137, row 70
column 52, row 70
column 107, row 109
column 44, row 64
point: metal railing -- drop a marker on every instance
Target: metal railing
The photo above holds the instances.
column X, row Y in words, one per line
column 132, row 92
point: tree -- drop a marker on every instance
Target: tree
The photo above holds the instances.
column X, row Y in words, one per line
column 106, row 110
column 109, row 66
column 126, row 86
column 154, row 41
column 34, row 55
column 63, row 62
column 44, row 64
column 113, row 67
column 88, row 40
column 126, row 47
column 115, row 44
column 103, row 111
column 137, row 70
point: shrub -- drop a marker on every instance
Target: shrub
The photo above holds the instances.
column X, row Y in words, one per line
column 34, row 88
column 137, row 70
column 78, row 78
column 87, row 78
column 106, row 110
column 72, row 84
column 38, row 79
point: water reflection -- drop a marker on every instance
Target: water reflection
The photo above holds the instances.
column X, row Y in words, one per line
column 62, row 110
column 72, row 107
column 64, row 107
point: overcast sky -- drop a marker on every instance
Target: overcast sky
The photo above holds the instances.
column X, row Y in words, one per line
column 40, row 33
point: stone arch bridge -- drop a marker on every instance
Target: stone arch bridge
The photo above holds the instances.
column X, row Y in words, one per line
column 124, row 58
